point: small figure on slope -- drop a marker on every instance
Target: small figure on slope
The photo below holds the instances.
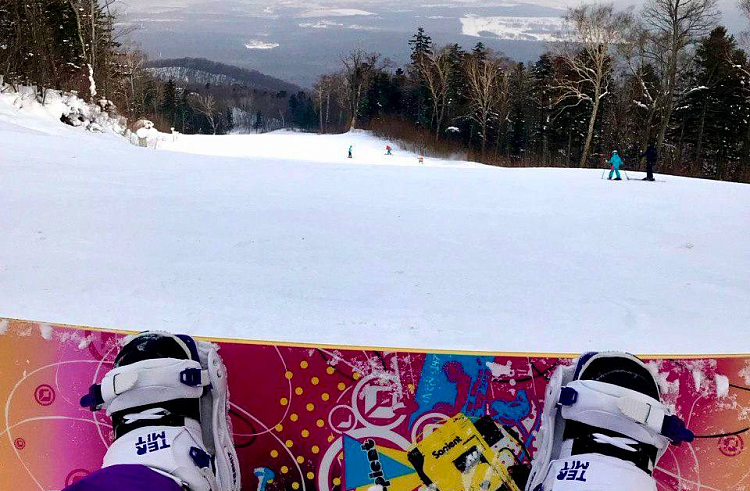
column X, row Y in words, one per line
column 420, row 159
column 651, row 156
column 615, row 162
column 351, row 150
column 167, row 397
column 388, row 150
column 604, row 427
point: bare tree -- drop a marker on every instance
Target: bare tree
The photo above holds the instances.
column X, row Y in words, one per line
column 586, row 55
column 322, row 91
column 86, row 36
column 340, row 90
column 359, row 67
column 487, row 89
column 745, row 9
column 436, row 68
column 131, row 69
column 207, row 106
column 645, row 66
column 674, row 25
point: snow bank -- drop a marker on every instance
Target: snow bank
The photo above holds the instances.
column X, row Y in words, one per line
column 23, row 107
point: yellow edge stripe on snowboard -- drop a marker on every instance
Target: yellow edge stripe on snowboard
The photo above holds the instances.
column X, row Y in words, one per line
column 293, row 344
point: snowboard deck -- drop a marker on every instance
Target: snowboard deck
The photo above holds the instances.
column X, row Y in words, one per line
column 308, row 417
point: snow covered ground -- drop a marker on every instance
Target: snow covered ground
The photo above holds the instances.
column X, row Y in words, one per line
column 281, row 237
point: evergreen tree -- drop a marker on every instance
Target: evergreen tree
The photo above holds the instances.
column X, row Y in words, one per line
column 520, row 104
column 479, row 51
column 169, row 102
column 421, row 46
column 540, row 101
column 258, row 124
column 713, row 112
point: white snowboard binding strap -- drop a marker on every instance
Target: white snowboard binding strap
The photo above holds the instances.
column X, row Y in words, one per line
column 189, row 439
column 591, row 414
column 622, row 410
column 147, row 382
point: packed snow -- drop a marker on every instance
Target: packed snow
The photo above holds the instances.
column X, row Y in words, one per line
column 282, row 237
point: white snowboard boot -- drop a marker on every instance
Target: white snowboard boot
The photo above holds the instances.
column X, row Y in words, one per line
column 604, row 427
column 167, row 397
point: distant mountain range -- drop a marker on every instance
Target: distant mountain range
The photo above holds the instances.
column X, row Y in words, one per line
column 202, row 71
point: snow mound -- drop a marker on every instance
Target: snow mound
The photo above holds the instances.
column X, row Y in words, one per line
column 24, row 108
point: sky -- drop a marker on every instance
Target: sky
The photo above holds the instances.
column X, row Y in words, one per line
column 297, row 40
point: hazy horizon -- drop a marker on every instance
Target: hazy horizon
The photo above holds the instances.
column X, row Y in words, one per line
column 297, row 41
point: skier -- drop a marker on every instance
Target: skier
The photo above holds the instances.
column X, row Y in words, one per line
column 615, row 162
column 388, row 150
column 167, row 397
column 603, row 427
column 351, row 149
column 651, row 156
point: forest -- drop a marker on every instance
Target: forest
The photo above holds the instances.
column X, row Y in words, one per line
column 667, row 73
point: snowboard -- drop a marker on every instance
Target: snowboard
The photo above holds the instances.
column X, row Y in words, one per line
column 337, row 418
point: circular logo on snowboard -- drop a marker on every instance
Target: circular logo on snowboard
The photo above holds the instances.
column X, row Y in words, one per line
column 19, row 443
column 44, row 395
column 342, row 419
column 731, row 445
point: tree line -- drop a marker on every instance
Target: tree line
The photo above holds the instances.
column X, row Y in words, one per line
column 76, row 46
column 667, row 74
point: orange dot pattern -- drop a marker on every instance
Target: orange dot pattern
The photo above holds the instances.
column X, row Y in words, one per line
column 318, row 387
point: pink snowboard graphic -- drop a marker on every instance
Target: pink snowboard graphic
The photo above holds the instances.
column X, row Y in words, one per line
column 301, row 413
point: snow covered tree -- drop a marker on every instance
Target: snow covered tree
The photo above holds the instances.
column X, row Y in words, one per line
column 518, row 112
column 712, row 114
column 62, row 44
column 540, row 100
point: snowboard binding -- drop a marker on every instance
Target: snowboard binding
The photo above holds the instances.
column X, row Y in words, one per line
column 168, row 400
column 606, row 409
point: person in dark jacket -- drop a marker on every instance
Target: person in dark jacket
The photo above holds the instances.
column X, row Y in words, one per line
column 651, row 156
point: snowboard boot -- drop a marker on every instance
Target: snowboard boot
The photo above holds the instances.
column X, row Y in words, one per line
column 604, row 424
column 167, row 397
column 618, row 178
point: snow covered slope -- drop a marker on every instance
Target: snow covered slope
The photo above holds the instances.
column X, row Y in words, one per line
column 303, row 147
column 281, row 237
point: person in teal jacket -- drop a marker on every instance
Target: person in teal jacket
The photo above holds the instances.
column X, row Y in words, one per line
column 615, row 162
